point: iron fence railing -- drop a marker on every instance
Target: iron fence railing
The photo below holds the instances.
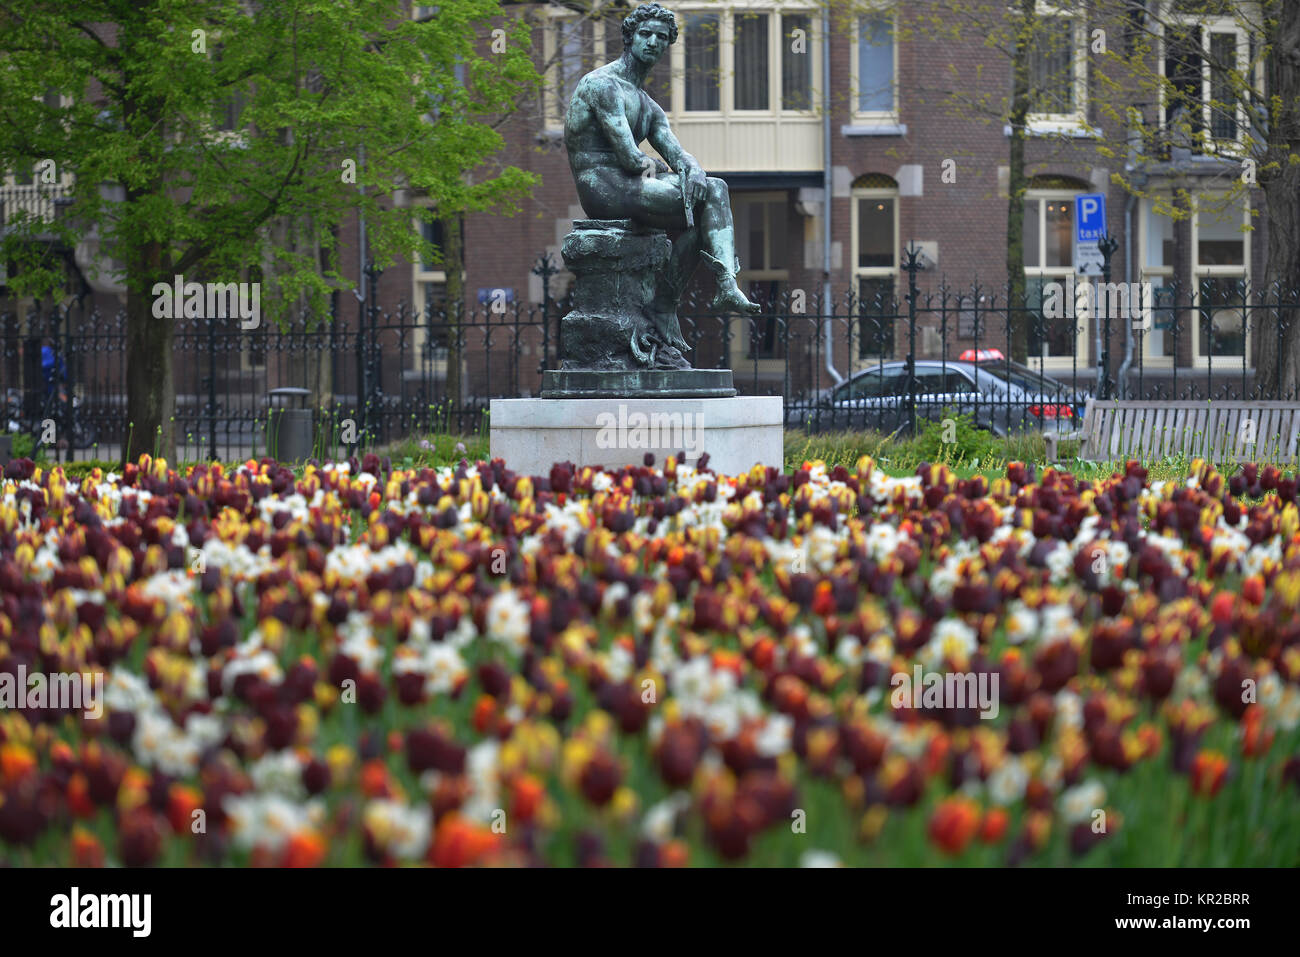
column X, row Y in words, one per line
column 376, row 376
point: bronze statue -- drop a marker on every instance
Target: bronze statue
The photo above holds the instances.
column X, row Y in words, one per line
column 608, row 118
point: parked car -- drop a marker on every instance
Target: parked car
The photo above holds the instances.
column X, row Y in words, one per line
column 1001, row 396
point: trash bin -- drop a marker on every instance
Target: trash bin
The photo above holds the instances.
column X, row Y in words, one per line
column 288, row 429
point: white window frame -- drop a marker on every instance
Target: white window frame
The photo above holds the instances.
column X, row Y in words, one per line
column 1060, row 274
column 419, row 278
column 556, row 21
column 1077, row 120
column 1161, row 275
column 37, row 191
column 873, row 117
column 740, row 354
column 727, row 60
column 1199, row 273
column 1165, row 273
column 858, row 195
column 1210, row 25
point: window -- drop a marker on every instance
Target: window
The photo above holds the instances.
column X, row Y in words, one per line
column 574, row 46
column 874, row 66
column 26, row 189
column 1156, row 247
column 873, row 384
column 1051, row 71
column 1049, row 257
column 1219, row 255
column 431, row 232
column 762, row 244
column 1220, row 268
column 752, row 74
column 940, row 382
column 430, row 298
column 743, row 61
column 796, row 62
column 228, row 110
column 1058, row 70
column 875, row 263
column 1202, row 54
column 702, row 47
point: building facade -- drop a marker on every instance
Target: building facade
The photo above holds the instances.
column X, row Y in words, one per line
column 848, row 133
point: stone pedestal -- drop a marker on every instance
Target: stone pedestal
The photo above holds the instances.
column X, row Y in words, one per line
column 531, row 435
column 638, row 384
column 619, row 319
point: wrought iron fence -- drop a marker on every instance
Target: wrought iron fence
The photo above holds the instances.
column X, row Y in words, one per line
column 883, row 362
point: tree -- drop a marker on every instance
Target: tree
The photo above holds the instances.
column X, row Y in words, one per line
column 315, row 83
column 1015, row 33
column 1228, row 78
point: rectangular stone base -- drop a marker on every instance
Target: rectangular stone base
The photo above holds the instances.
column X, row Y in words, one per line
column 637, row 384
column 531, row 435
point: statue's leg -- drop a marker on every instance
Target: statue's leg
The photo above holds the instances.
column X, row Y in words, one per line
column 719, row 247
column 673, row 281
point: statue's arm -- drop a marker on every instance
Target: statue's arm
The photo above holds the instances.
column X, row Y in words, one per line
column 661, row 138
column 603, row 101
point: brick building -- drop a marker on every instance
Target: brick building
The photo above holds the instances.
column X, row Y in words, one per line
column 842, row 141
column 745, row 90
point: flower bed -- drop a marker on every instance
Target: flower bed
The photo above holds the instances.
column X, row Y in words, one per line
column 357, row 664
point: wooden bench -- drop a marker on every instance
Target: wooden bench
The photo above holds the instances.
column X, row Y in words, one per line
column 1218, row 431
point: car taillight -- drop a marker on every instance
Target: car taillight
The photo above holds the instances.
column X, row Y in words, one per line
column 1051, row 411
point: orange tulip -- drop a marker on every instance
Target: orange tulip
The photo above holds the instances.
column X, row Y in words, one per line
column 953, row 824
column 182, row 802
column 459, row 843
column 994, row 825
column 1257, row 738
column 1209, row 771
column 305, row 849
column 528, row 795
column 674, row 854
column 16, row 762
column 86, row 849
column 79, row 800
column 374, row 779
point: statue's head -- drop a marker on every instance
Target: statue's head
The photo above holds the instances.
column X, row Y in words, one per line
column 644, row 13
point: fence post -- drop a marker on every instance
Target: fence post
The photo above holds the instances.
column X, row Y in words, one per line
column 66, row 390
column 911, row 262
column 1107, row 244
column 545, row 268
column 212, row 387
column 362, row 387
column 1277, row 375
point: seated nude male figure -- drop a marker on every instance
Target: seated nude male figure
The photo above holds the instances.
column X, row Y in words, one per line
column 609, row 116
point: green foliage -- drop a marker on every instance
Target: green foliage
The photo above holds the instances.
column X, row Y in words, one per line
column 954, row 439
column 79, row 470
column 22, row 446
column 259, row 117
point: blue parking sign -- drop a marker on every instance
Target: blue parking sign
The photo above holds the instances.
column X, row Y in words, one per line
column 1090, row 217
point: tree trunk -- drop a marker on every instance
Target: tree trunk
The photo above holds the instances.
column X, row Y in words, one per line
column 1278, row 335
column 453, row 256
column 150, row 392
column 1018, row 326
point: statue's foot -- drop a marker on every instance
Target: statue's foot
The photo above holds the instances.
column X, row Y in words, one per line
column 729, row 298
